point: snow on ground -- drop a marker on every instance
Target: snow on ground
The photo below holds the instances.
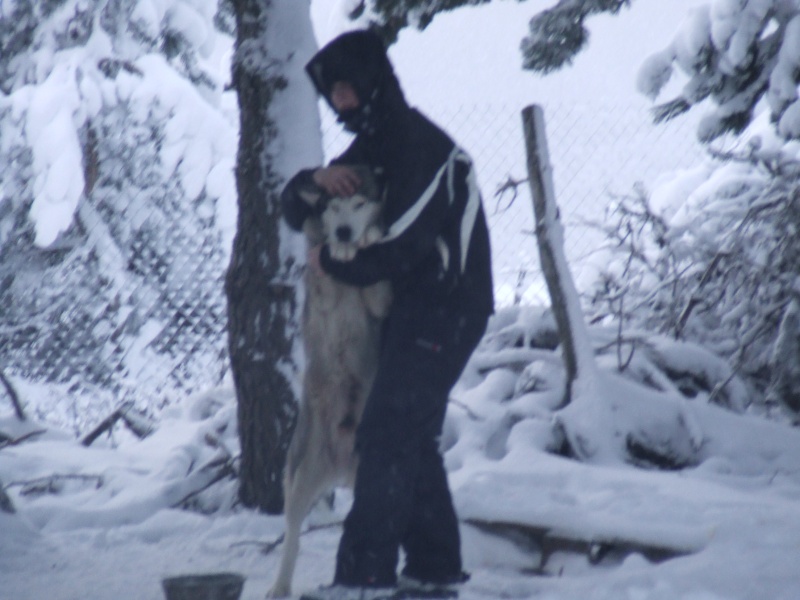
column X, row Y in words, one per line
column 105, row 526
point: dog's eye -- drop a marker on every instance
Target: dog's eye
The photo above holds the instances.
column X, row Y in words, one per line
column 360, row 205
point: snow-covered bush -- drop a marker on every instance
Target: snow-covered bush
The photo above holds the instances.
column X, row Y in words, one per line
column 516, row 380
column 712, row 255
column 116, row 198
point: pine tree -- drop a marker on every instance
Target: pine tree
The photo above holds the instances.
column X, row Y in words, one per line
column 734, row 53
column 556, row 34
column 559, row 33
column 111, row 250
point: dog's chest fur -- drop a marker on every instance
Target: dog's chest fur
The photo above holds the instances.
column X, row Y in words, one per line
column 341, row 334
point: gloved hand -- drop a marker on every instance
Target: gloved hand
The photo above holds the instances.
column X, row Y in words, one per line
column 337, row 180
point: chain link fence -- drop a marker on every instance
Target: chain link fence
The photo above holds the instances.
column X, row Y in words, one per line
column 132, row 308
column 128, row 306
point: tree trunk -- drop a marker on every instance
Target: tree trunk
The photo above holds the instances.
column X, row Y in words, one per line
column 261, row 295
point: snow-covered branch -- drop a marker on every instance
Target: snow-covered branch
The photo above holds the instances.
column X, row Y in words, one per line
column 735, row 53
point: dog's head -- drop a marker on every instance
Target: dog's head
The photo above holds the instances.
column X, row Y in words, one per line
column 348, row 224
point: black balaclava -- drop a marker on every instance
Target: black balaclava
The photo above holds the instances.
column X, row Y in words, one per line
column 359, row 58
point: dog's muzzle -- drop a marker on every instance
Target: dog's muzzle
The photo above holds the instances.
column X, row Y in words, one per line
column 344, row 234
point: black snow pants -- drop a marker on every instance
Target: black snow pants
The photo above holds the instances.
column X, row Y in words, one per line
column 401, row 495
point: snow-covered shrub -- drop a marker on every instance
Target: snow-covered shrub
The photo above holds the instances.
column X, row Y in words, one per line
column 512, row 396
column 116, row 198
column 785, row 386
column 711, row 256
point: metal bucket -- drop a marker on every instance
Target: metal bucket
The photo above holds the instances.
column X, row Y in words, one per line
column 213, row 586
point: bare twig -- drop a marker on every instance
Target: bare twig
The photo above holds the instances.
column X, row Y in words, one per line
column 15, row 441
column 713, row 397
column 473, row 416
column 509, row 185
column 549, row 237
column 140, row 426
column 12, row 393
column 5, row 502
column 695, row 298
column 622, row 365
column 104, row 426
column 223, row 467
column 52, row 483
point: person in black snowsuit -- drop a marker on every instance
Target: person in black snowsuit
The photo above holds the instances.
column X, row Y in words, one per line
column 436, row 254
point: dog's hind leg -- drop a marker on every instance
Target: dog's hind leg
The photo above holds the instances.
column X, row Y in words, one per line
column 304, row 487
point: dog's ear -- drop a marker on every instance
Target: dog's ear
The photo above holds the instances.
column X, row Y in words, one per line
column 370, row 186
column 315, row 197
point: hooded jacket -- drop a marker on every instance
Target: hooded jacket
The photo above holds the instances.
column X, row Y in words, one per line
column 436, row 251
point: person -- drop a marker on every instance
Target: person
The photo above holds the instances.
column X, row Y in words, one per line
column 436, row 254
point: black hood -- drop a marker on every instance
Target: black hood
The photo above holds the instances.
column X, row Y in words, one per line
column 359, row 58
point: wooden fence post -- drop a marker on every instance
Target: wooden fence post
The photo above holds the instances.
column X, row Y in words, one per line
column 577, row 349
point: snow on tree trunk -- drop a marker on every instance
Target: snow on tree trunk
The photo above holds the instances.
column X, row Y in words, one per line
column 114, row 203
column 279, row 131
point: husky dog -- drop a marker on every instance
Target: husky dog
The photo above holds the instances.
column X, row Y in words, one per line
column 341, row 334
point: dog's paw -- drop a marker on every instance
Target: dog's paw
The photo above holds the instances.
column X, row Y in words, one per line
column 279, row 590
column 337, row 251
column 343, row 252
column 372, row 235
column 378, row 299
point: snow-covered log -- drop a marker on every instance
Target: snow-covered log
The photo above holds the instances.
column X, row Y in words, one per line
column 545, row 540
